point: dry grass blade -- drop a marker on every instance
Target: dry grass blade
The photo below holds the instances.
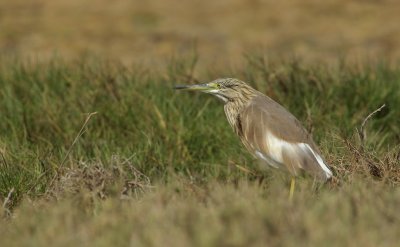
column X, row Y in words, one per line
column 3, row 159
column 363, row 132
column 243, row 169
column 6, row 201
column 73, row 144
column 77, row 137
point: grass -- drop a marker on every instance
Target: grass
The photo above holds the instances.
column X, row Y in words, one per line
column 156, row 167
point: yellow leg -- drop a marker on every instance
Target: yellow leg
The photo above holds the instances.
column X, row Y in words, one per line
column 292, row 184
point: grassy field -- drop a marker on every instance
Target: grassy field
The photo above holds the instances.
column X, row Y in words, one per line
column 97, row 149
column 97, row 154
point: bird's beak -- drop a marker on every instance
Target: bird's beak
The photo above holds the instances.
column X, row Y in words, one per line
column 207, row 87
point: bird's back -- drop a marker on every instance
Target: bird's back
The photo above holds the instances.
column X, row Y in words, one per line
column 277, row 138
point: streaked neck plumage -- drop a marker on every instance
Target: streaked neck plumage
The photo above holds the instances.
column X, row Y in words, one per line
column 233, row 107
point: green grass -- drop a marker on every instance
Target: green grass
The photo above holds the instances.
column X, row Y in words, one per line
column 156, row 166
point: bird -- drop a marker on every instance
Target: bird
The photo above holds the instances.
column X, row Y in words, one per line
column 269, row 132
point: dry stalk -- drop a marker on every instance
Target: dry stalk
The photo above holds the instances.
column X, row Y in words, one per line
column 81, row 131
column 244, row 169
column 6, row 201
column 362, row 132
column 374, row 169
column 77, row 137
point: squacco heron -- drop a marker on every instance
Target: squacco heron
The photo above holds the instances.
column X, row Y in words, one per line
column 268, row 131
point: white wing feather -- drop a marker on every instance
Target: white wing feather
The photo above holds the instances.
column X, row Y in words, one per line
column 276, row 147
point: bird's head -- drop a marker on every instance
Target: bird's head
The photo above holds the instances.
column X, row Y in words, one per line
column 227, row 89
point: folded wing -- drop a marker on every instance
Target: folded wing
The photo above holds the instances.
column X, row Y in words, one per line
column 278, row 139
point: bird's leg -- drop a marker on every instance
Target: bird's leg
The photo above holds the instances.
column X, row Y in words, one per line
column 292, row 185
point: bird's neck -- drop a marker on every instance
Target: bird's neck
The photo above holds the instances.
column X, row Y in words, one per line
column 234, row 108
